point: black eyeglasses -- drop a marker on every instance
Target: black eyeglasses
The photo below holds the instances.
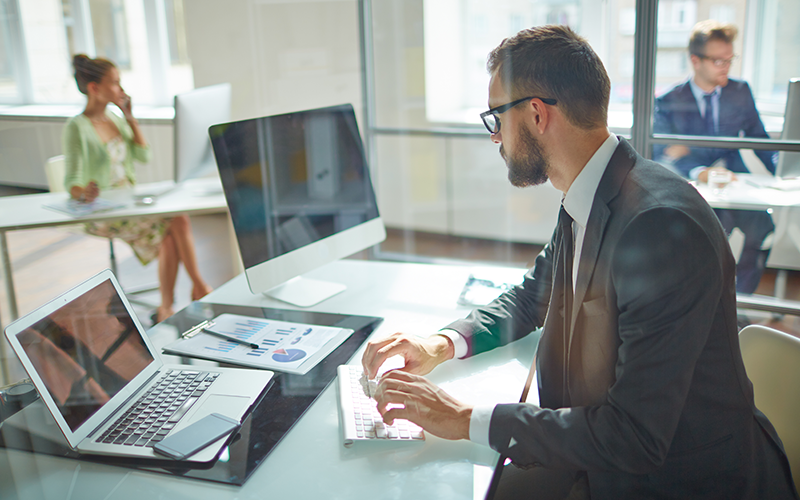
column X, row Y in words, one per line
column 719, row 62
column 491, row 118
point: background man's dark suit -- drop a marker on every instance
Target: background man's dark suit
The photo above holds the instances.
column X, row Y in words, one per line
column 676, row 112
column 649, row 396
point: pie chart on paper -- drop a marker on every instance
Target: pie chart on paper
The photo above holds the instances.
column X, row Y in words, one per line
column 288, row 355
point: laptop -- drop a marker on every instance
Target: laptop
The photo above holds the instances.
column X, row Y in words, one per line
column 104, row 384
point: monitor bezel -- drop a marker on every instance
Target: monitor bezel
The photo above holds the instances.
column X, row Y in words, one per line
column 278, row 271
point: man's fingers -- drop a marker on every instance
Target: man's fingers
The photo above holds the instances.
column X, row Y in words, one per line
column 393, row 413
column 394, row 376
column 378, row 352
column 372, row 360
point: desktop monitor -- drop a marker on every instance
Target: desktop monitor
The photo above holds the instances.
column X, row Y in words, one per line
column 788, row 162
column 195, row 111
column 300, row 196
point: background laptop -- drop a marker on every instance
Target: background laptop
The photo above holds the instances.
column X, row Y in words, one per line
column 91, row 362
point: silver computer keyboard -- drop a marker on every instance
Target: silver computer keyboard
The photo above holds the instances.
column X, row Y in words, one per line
column 358, row 412
column 159, row 409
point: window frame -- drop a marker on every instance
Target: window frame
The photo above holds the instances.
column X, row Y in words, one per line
column 158, row 47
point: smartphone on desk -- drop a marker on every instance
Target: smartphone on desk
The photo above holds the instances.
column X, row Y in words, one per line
column 189, row 440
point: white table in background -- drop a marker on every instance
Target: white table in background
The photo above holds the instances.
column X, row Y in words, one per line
column 194, row 197
column 746, row 193
column 17, row 213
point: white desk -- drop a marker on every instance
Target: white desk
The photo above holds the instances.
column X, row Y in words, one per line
column 785, row 205
column 195, row 197
column 742, row 195
column 311, row 462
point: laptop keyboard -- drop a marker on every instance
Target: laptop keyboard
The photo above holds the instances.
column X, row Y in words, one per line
column 157, row 412
column 359, row 414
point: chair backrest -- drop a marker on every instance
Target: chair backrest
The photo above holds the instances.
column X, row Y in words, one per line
column 55, row 170
column 772, row 361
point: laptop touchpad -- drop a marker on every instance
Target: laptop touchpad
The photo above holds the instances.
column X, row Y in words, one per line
column 230, row 406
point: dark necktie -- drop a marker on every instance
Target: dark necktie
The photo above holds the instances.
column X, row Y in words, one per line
column 709, row 116
column 551, row 347
column 567, row 253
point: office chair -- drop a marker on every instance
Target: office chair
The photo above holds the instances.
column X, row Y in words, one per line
column 772, row 361
column 55, row 170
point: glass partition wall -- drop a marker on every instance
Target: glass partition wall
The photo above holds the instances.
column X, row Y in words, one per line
column 441, row 183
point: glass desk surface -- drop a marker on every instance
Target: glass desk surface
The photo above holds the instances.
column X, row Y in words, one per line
column 282, row 404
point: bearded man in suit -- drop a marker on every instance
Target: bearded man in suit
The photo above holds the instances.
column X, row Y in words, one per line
column 643, row 393
column 712, row 104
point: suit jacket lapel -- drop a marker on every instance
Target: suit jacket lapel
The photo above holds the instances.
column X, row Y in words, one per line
column 618, row 167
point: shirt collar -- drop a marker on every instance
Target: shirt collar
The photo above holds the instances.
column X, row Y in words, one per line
column 699, row 93
column 578, row 200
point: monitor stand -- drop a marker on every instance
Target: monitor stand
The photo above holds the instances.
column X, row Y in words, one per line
column 305, row 292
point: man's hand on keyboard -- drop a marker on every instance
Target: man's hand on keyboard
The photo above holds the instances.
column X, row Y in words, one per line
column 423, row 403
column 421, row 354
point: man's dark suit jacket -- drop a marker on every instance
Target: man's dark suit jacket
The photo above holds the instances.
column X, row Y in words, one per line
column 676, row 112
column 648, row 394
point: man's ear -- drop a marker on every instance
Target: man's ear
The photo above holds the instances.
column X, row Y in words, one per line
column 540, row 115
column 694, row 60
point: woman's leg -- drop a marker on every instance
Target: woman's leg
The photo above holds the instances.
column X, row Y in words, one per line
column 167, row 275
column 181, row 231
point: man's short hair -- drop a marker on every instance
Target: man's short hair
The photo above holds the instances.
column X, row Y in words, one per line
column 705, row 31
column 553, row 61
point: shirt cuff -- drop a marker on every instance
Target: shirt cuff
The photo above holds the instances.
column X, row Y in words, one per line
column 695, row 172
column 459, row 342
column 479, row 424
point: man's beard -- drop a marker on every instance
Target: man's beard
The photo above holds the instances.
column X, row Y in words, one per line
column 529, row 167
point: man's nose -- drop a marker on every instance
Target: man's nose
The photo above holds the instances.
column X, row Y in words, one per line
column 496, row 138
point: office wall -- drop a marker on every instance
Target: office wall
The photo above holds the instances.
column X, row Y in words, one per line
column 278, row 55
column 27, row 142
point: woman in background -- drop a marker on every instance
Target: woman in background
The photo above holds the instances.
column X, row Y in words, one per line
column 99, row 150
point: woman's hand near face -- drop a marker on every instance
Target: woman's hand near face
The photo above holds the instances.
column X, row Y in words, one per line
column 125, row 105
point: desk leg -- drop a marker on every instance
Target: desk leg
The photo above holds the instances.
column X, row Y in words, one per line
column 781, row 280
column 5, row 376
column 12, row 297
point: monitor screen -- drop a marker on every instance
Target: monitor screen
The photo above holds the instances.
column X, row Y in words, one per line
column 195, row 111
column 789, row 163
column 298, row 190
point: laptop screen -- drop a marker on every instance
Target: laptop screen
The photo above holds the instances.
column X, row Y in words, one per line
column 86, row 352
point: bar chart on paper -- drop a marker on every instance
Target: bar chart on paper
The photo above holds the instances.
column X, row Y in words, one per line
column 283, row 346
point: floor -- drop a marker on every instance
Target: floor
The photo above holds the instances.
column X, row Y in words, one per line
column 47, row 262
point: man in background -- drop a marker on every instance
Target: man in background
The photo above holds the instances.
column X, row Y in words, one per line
column 712, row 104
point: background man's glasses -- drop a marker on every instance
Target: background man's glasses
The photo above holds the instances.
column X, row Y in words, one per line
column 719, row 62
column 491, row 118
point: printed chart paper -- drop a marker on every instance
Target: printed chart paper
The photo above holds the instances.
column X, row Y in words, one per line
column 283, row 346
